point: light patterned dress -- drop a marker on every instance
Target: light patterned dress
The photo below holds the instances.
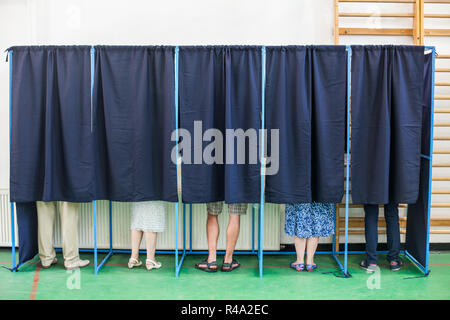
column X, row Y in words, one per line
column 148, row 216
column 306, row 220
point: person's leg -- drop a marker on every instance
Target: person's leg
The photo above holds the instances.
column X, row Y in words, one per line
column 212, row 233
column 150, row 243
column 136, row 238
column 235, row 211
column 298, row 225
column 371, row 232
column 311, row 247
column 68, row 212
column 234, row 225
column 46, row 219
column 392, row 231
column 300, row 246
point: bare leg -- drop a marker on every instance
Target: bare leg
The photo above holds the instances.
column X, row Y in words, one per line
column 300, row 245
column 233, row 228
column 150, row 243
column 136, row 238
column 212, row 232
column 311, row 246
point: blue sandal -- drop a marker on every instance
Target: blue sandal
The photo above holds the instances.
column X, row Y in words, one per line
column 298, row 267
column 311, row 267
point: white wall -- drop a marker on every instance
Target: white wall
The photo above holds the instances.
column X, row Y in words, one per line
column 28, row 22
column 269, row 22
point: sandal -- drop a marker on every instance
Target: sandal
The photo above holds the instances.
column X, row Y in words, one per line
column 207, row 266
column 134, row 263
column 298, row 267
column 227, row 267
column 311, row 267
column 152, row 264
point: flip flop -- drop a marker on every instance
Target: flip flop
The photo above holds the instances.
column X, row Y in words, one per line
column 208, row 266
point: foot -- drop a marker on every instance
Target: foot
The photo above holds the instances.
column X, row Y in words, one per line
column 298, row 266
column 207, row 265
column 372, row 267
column 133, row 262
column 395, row 265
column 76, row 264
column 152, row 264
column 311, row 267
column 230, row 266
column 46, row 266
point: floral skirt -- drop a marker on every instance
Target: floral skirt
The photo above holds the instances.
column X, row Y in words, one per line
column 306, row 220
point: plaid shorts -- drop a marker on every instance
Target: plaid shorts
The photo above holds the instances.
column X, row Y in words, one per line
column 215, row 208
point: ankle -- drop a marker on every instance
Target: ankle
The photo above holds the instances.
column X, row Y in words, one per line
column 134, row 257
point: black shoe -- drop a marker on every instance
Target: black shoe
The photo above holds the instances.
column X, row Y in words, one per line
column 368, row 267
column 395, row 265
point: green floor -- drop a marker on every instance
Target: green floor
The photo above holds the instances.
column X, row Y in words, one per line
column 115, row 281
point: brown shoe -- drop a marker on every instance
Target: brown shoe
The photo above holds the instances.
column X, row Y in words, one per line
column 43, row 266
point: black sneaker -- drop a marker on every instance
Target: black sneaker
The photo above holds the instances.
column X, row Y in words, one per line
column 395, row 265
column 368, row 267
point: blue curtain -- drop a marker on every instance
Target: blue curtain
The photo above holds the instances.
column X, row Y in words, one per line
column 306, row 101
column 26, row 213
column 416, row 226
column 387, row 93
column 51, row 139
column 221, row 87
column 51, row 146
column 134, row 119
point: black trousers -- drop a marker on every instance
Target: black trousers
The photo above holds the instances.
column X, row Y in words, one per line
column 371, row 231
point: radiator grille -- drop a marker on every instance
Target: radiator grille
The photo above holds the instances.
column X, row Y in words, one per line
column 166, row 240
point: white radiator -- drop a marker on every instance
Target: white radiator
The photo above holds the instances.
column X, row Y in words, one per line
column 166, row 240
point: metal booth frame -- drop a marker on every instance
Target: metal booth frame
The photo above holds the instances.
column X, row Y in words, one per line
column 259, row 252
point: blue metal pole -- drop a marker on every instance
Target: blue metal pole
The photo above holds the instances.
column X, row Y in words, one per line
column 110, row 227
column 94, row 203
column 13, row 239
column 94, row 209
column 13, row 224
column 190, row 228
column 430, row 161
column 184, row 228
column 333, row 245
column 417, row 263
column 92, row 85
column 177, row 165
column 176, row 239
column 262, row 159
column 253, row 228
column 347, row 168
